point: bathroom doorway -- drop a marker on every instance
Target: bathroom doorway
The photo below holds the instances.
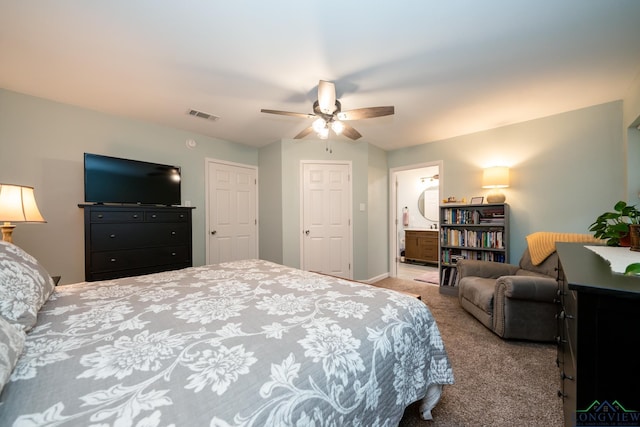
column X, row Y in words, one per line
column 415, row 194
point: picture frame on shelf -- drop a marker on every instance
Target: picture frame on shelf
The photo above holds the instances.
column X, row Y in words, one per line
column 477, row 200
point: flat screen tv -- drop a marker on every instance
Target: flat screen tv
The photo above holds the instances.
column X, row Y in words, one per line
column 115, row 180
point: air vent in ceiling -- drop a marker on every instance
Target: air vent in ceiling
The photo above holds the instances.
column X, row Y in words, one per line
column 202, row 115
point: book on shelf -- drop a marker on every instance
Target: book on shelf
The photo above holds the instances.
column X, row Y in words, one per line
column 473, row 238
column 452, row 276
column 448, row 276
column 471, row 215
column 450, row 257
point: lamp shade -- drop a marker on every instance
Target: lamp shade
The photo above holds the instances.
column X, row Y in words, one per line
column 18, row 204
column 495, row 177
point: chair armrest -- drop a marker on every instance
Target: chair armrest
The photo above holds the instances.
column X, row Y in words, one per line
column 532, row 288
column 486, row 269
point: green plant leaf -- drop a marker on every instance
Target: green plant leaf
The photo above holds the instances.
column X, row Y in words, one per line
column 620, row 206
column 632, row 269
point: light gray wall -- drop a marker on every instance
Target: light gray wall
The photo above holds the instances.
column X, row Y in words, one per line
column 378, row 213
column 631, row 106
column 42, row 145
column 633, row 165
column 270, row 221
column 631, row 121
column 565, row 169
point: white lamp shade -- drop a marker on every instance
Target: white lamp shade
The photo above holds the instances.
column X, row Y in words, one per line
column 495, row 177
column 18, row 204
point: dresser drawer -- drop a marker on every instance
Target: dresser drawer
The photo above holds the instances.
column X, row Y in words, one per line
column 430, row 237
column 430, row 253
column 132, row 235
column 568, row 367
column 116, row 216
column 161, row 216
column 138, row 258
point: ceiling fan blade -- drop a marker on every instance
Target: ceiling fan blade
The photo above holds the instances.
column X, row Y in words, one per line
column 350, row 132
column 366, row 113
column 327, row 97
column 304, row 133
column 289, row 113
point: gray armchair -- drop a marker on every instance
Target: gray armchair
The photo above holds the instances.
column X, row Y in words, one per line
column 514, row 301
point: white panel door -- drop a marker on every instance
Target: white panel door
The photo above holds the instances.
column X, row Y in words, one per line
column 232, row 214
column 326, row 218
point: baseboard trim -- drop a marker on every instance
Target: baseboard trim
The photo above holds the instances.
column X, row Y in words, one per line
column 375, row 279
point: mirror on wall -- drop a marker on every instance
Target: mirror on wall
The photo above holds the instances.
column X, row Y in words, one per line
column 428, row 204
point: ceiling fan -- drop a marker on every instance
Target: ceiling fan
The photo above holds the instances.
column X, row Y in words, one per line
column 329, row 115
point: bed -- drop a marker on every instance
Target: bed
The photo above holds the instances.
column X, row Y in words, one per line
column 247, row 343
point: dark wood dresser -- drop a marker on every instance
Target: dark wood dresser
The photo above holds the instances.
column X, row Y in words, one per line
column 599, row 332
column 122, row 241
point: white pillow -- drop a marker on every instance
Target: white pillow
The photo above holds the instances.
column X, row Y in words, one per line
column 24, row 286
column 11, row 345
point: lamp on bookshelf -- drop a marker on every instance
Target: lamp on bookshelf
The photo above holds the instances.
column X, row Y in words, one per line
column 495, row 177
column 17, row 204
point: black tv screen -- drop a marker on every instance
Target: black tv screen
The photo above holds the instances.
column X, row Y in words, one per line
column 115, row 180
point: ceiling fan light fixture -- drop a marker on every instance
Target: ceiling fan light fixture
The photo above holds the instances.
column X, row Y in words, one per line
column 319, row 124
column 323, row 133
column 329, row 117
column 337, row 127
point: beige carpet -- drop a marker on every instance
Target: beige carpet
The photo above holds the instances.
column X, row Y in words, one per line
column 497, row 382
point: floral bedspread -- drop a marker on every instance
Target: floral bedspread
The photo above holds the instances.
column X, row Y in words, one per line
column 248, row 343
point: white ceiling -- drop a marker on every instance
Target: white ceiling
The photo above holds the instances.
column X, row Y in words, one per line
column 450, row 67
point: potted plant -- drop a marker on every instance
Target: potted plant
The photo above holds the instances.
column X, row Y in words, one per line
column 614, row 227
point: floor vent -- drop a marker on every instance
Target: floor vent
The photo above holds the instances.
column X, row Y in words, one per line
column 203, row 115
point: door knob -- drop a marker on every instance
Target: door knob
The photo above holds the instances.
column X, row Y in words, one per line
column 306, row 232
column 213, row 232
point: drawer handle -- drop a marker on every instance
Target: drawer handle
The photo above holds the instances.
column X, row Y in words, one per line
column 154, row 216
column 135, row 216
column 564, row 315
column 181, row 216
column 100, row 216
column 173, row 233
column 173, row 254
column 112, row 260
column 565, row 376
column 112, row 236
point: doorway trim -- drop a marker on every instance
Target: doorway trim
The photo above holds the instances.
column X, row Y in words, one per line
column 393, row 209
column 207, row 162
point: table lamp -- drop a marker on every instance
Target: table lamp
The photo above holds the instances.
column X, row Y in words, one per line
column 17, row 204
column 495, row 177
